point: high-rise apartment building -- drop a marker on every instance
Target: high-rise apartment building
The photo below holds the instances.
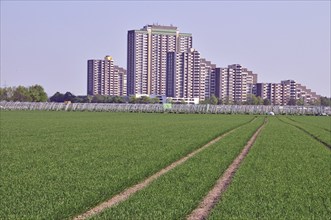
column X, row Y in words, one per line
column 208, row 76
column 147, row 55
column 288, row 91
column 224, row 84
column 105, row 78
column 262, row 90
column 238, row 91
column 282, row 93
column 296, row 91
column 234, row 83
column 161, row 62
column 250, row 81
column 120, row 81
column 183, row 79
column 271, row 91
column 307, row 96
column 276, row 93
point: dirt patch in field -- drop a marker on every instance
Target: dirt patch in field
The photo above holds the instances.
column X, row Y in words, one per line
column 132, row 190
column 204, row 208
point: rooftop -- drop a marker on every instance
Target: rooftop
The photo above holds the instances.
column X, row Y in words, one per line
column 157, row 26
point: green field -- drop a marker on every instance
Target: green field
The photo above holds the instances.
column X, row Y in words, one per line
column 319, row 122
column 318, row 127
column 176, row 193
column 286, row 176
column 56, row 165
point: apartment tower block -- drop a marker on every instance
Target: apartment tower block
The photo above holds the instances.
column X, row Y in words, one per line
column 234, row 84
column 147, row 54
column 183, row 74
column 105, row 78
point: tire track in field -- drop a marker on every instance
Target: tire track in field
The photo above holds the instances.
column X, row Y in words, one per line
column 124, row 195
column 214, row 195
column 300, row 122
column 307, row 132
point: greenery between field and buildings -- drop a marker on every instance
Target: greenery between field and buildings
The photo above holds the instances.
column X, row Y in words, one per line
column 175, row 194
column 33, row 93
column 286, row 175
column 36, row 93
column 56, row 165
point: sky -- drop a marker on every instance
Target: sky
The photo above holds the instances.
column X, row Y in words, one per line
column 49, row 42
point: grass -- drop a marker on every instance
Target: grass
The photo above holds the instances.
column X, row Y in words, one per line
column 55, row 165
column 320, row 122
column 286, row 175
column 175, row 194
column 315, row 126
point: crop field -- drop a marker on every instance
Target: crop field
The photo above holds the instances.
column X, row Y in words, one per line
column 285, row 176
column 320, row 128
column 319, row 122
column 176, row 193
column 59, row 165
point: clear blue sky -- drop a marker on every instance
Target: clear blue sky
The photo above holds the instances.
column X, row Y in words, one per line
column 49, row 42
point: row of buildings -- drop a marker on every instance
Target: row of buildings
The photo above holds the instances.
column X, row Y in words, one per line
column 161, row 61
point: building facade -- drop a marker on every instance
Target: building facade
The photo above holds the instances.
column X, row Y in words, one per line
column 224, row 85
column 105, row 78
column 208, row 79
column 306, row 95
column 288, row 91
column 147, row 55
column 284, row 92
column 120, row 81
column 249, row 82
column 161, row 62
column 271, row 91
column 183, row 74
column 234, row 84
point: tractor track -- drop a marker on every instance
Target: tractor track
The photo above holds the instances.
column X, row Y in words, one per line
column 307, row 132
column 299, row 122
column 124, row 195
column 214, row 195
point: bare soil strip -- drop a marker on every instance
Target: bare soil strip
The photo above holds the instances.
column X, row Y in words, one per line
column 132, row 190
column 204, row 208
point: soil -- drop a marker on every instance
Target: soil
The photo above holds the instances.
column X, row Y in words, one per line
column 204, row 208
column 132, row 190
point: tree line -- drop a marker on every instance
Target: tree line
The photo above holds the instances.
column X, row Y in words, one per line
column 33, row 93
column 36, row 93
column 68, row 96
